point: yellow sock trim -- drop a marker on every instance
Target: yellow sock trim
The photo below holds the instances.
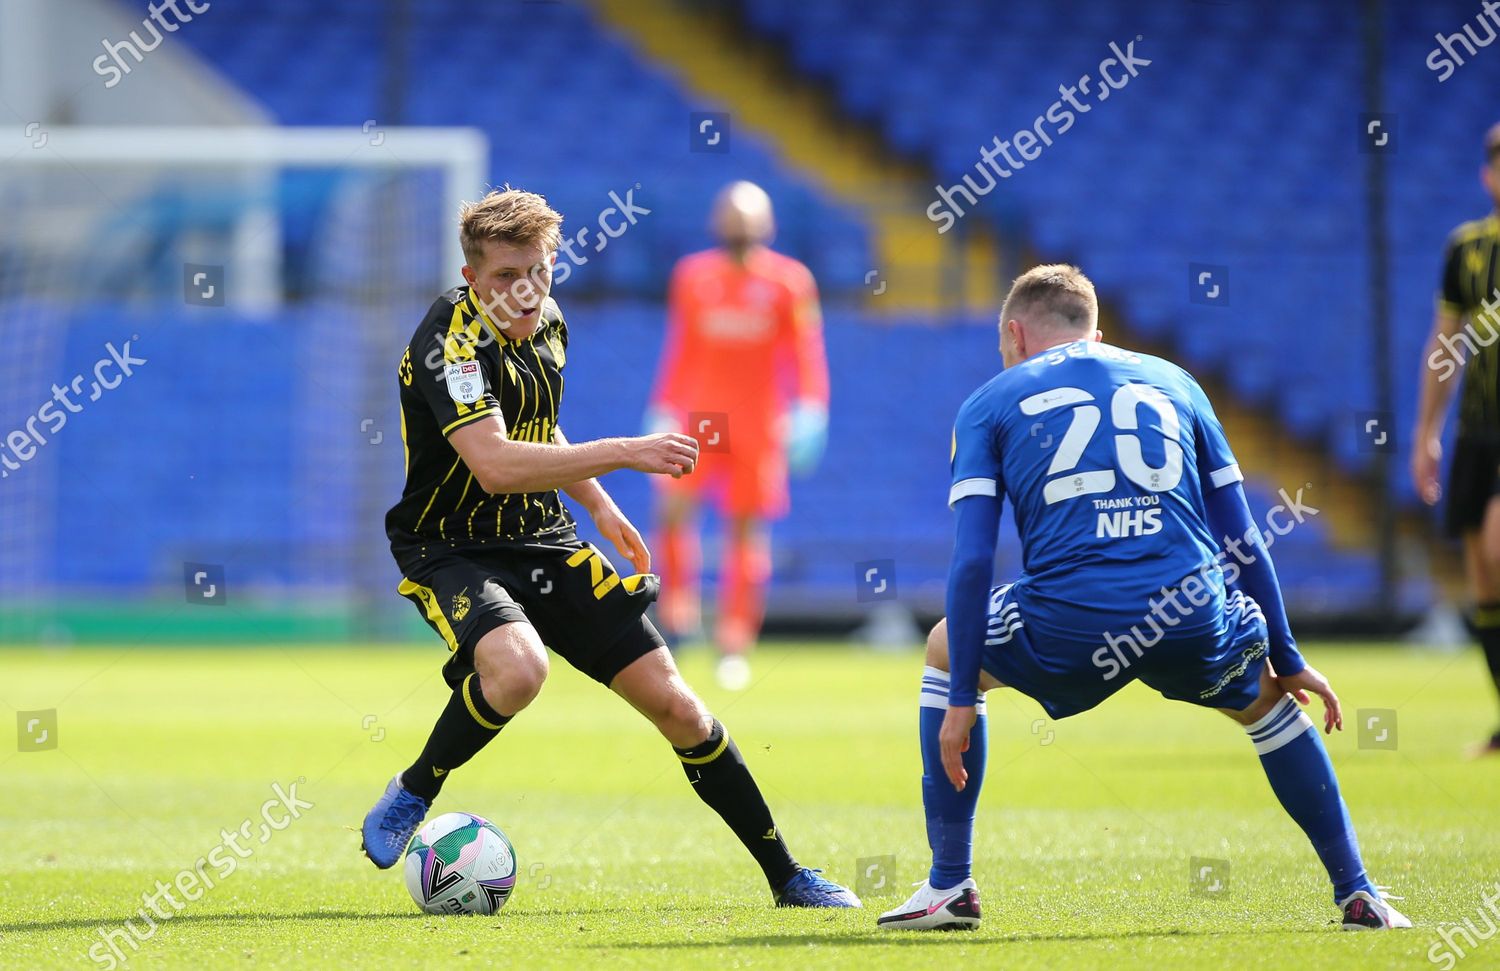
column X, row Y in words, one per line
column 718, row 751
column 469, row 701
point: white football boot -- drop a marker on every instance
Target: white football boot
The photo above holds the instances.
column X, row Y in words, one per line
column 954, row 909
column 1363, row 912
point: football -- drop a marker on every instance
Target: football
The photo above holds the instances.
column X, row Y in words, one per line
column 459, row 863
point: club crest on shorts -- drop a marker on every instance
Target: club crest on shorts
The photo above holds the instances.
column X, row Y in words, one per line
column 461, row 604
column 465, row 382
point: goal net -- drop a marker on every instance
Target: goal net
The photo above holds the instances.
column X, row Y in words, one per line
column 264, row 280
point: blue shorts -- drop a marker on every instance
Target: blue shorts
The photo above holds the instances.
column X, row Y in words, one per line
column 1215, row 670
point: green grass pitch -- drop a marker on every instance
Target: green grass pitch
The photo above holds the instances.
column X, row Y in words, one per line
column 1086, row 834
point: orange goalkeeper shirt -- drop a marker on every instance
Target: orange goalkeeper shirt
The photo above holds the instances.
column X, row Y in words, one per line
column 742, row 340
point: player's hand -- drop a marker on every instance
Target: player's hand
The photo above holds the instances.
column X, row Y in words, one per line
column 1426, row 455
column 664, row 454
column 1308, row 680
column 613, row 526
column 953, row 739
column 806, row 436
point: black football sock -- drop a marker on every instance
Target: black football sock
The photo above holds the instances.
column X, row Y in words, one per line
column 723, row 781
column 1486, row 624
column 464, row 727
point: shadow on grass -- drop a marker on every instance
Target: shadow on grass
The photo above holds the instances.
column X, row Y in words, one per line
column 89, row 923
column 940, row 939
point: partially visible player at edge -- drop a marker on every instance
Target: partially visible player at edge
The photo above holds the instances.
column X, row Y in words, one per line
column 491, row 558
column 1127, row 526
column 1469, row 294
column 744, row 350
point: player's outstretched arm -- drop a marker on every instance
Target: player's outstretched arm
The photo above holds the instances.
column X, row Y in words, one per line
column 977, row 522
column 502, row 465
column 612, row 524
column 1249, row 559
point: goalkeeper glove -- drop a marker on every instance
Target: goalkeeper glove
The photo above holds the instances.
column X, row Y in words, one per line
column 807, row 436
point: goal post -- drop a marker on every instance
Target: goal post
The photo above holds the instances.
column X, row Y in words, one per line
column 319, row 249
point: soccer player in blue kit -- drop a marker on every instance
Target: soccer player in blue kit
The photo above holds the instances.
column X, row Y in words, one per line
column 1141, row 560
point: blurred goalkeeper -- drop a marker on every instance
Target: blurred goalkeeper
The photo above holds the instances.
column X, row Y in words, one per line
column 744, row 372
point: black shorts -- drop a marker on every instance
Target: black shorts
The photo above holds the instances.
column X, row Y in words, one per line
column 582, row 609
column 1473, row 481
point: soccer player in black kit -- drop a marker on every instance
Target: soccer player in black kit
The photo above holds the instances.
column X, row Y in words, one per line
column 491, row 558
column 1466, row 338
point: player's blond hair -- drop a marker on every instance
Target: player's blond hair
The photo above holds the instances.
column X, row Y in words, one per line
column 508, row 215
column 1055, row 295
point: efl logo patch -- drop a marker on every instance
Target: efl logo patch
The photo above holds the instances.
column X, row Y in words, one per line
column 465, row 383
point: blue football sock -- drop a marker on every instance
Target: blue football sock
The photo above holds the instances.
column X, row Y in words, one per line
column 950, row 813
column 1301, row 775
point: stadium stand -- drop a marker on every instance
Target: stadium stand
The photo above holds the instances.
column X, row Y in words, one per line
column 945, row 69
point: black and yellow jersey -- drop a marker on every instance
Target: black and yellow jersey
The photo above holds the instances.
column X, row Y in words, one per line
column 1471, row 280
column 458, row 369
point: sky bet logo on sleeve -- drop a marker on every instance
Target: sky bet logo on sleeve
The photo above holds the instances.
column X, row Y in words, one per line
column 465, row 383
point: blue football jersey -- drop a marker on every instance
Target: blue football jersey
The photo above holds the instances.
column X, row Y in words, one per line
column 1104, row 455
